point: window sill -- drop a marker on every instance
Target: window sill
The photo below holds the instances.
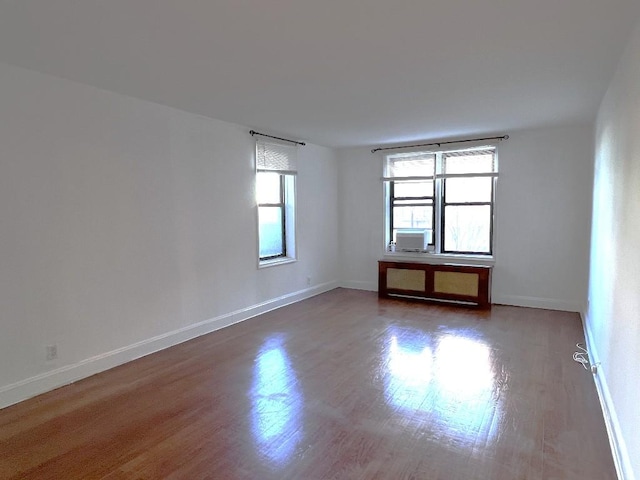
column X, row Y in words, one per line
column 276, row 261
column 440, row 258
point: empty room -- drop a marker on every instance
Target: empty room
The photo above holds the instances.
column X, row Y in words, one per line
column 319, row 240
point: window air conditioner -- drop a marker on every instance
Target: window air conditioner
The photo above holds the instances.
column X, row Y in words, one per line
column 412, row 240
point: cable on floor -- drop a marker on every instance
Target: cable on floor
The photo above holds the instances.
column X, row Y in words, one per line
column 582, row 356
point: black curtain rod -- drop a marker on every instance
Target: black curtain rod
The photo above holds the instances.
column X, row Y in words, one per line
column 438, row 144
column 253, row 132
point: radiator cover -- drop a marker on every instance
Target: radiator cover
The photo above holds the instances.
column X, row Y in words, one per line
column 466, row 284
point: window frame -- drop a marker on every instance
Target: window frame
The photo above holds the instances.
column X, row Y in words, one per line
column 282, row 206
column 280, row 159
column 393, row 198
column 437, row 245
column 445, row 204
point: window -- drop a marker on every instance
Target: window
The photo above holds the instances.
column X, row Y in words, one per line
column 275, row 194
column 411, row 205
column 271, row 215
column 448, row 195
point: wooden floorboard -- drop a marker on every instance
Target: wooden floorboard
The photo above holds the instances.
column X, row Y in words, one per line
column 341, row 386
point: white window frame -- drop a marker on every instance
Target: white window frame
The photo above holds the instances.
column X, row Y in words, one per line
column 436, row 251
column 280, row 159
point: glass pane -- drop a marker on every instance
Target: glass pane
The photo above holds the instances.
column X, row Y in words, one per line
column 413, row 189
column 467, row 189
column 268, row 187
column 413, row 217
column 467, row 228
column 469, row 162
column 417, row 165
column 271, row 232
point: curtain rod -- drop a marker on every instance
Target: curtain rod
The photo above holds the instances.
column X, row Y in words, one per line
column 504, row 137
column 253, row 132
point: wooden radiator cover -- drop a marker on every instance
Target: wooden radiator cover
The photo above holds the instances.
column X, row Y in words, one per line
column 468, row 284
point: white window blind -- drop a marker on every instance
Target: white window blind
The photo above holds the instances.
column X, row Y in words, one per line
column 444, row 164
column 413, row 166
column 274, row 157
column 470, row 163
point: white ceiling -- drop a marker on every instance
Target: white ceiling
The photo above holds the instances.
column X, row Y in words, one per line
column 336, row 73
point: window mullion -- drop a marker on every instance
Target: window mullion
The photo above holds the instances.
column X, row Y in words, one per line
column 439, row 209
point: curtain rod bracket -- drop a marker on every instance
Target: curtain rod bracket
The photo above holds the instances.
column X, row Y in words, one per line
column 253, row 132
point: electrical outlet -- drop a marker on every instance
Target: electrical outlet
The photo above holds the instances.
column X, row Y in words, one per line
column 52, row 352
column 308, row 281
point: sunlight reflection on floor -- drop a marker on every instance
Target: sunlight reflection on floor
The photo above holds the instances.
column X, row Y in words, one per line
column 276, row 403
column 448, row 379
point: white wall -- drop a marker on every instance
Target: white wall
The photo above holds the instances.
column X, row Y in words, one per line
column 543, row 206
column 544, row 218
column 126, row 226
column 613, row 319
column 361, row 217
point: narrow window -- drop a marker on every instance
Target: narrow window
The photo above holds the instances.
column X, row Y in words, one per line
column 467, row 202
column 412, row 200
column 275, row 195
column 271, row 215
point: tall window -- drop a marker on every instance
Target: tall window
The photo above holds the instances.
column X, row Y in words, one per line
column 275, row 194
column 448, row 195
column 272, row 215
column 411, row 200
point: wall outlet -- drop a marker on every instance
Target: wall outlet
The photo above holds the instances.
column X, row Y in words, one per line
column 52, row 352
column 308, row 281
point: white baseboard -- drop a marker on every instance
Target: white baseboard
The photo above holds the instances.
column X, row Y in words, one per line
column 357, row 285
column 536, row 302
column 618, row 445
column 514, row 300
column 30, row 387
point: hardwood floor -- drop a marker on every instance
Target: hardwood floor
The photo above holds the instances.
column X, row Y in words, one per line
column 340, row 386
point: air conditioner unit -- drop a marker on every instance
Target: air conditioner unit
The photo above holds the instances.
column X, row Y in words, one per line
column 412, row 240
